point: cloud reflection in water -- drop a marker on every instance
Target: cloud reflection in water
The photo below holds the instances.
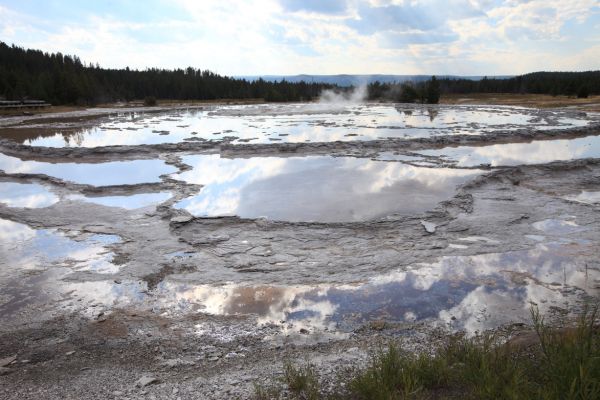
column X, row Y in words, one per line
column 480, row 292
column 326, row 189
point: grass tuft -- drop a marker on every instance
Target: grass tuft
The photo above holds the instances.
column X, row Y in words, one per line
column 397, row 374
column 262, row 392
column 569, row 366
column 302, row 381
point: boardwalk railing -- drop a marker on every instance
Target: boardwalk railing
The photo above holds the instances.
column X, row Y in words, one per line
column 16, row 104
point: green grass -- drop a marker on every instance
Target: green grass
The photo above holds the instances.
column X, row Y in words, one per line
column 558, row 364
column 266, row 393
column 302, row 381
column 472, row 368
column 569, row 365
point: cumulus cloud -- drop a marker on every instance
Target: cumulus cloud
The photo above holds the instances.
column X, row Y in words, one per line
column 317, row 6
column 402, row 39
column 425, row 15
column 539, row 19
column 392, row 17
column 238, row 37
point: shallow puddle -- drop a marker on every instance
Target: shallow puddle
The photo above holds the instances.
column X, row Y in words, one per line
column 464, row 292
column 27, row 195
column 32, row 260
column 101, row 174
column 316, row 122
column 558, row 227
column 587, row 197
column 131, row 202
column 325, row 189
column 535, row 152
column 25, row 247
column 471, row 293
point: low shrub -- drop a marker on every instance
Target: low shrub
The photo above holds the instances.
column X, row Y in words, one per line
column 150, row 101
column 558, row 364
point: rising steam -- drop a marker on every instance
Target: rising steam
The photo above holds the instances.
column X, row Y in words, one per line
column 354, row 96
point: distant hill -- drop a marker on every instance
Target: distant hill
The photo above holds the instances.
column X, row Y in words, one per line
column 356, row 80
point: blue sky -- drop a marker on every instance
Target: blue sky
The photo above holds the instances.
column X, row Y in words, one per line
column 245, row 37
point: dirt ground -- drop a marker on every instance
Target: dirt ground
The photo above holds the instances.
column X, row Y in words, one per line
column 591, row 103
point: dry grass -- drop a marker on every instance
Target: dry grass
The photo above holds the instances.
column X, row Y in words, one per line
column 592, row 103
column 46, row 110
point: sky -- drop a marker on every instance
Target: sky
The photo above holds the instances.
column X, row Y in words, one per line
column 286, row 37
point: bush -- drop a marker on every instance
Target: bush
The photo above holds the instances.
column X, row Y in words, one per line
column 432, row 91
column 150, row 101
column 408, row 94
column 583, row 92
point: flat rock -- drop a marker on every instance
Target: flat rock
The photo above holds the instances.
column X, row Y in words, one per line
column 145, row 381
column 8, row 360
column 5, row 371
column 429, row 226
column 176, row 362
column 212, row 239
column 181, row 219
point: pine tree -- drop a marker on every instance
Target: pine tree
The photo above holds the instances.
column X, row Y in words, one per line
column 432, row 91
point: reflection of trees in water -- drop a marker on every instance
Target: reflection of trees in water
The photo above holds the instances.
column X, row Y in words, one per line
column 193, row 112
column 432, row 113
column 75, row 136
column 30, row 135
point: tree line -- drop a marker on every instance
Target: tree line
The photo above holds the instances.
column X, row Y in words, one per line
column 63, row 79
column 580, row 84
column 406, row 92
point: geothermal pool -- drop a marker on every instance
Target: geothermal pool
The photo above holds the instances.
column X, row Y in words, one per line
column 309, row 240
column 292, row 123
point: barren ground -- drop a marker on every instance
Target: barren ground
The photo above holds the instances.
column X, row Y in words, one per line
column 95, row 297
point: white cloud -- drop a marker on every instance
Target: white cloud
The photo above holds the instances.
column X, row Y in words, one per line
column 539, row 19
column 286, row 37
